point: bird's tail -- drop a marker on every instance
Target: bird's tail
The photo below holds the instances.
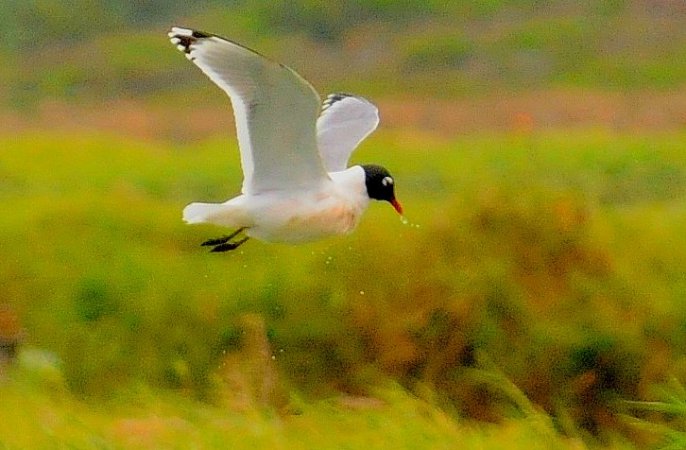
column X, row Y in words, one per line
column 202, row 213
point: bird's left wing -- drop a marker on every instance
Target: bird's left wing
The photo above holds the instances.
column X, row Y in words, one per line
column 344, row 122
column 275, row 110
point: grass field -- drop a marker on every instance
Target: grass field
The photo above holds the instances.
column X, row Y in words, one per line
column 533, row 298
column 538, row 285
column 47, row 417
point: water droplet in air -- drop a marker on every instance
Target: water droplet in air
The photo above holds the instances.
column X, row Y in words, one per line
column 406, row 221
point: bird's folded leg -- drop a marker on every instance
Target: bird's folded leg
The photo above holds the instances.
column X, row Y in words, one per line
column 225, row 247
column 222, row 240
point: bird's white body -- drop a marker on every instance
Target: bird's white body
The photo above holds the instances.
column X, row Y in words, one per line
column 297, row 185
column 335, row 208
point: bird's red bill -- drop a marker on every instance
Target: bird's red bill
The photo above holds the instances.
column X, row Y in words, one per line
column 398, row 207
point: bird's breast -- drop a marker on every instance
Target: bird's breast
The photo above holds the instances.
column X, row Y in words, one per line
column 301, row 219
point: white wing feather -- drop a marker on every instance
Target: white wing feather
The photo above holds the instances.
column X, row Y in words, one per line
column 344, row 122
column 275, row 110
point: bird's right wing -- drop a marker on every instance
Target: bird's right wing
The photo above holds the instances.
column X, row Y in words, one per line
column 275, row 110
column 344, row 122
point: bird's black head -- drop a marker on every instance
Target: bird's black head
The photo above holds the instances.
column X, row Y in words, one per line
column 381, row 185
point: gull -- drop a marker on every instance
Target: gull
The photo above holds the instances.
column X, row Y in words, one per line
column 297, row 186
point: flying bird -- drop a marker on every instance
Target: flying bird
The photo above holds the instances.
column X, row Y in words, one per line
column 297, row 185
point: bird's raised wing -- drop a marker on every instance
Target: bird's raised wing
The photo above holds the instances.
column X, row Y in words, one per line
column 275, row 110
column 344, row 122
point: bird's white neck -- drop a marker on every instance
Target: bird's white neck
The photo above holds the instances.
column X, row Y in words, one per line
column 351, row 183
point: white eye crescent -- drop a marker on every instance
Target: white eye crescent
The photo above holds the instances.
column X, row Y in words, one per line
column 387, row 181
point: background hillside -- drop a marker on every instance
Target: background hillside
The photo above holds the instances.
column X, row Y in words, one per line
column 612, row 62
column 534, row 299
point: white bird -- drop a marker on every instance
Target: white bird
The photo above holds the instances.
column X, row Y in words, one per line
column 294, row 150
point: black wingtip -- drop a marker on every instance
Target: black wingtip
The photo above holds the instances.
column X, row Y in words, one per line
column 200, row 34
column 335, row 97
column 183, row 38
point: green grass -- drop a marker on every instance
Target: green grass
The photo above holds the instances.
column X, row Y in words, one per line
column 538, row 285
column 41, row 414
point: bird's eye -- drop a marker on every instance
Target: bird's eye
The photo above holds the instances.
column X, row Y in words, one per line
column 387, row 181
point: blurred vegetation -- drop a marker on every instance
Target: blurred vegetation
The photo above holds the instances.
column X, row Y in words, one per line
column 93, row 50
column 552, row 259
column 534, row 299
column 40, row 414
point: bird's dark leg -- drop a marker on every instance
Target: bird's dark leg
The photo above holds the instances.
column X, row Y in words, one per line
column 217, row 241
column 229, row 245
column 223, row 239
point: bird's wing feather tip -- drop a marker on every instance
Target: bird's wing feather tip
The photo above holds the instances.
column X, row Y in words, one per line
column 181, row 31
